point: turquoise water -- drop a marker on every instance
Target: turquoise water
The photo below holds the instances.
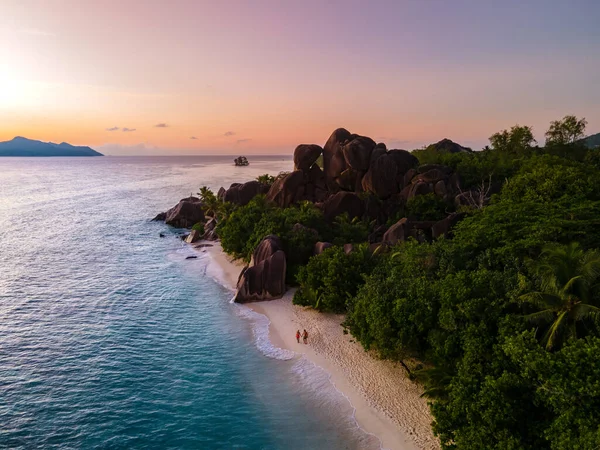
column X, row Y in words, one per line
column 110, row 338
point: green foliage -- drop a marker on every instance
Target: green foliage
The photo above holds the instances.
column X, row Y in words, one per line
column 566, row 131
column 427, row 207
column 199, row 227
column 476, row 166
column 346, row 231
column 319, row 161
column 330, row 280
column 566, row 277
column 210, row 201
column 266, row 179
column 465, row 306
column 299, row 227
column 517, row 140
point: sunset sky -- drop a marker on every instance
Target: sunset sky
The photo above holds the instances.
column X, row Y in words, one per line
column 244, row 77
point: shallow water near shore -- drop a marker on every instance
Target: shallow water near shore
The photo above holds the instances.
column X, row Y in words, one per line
column 110, row 338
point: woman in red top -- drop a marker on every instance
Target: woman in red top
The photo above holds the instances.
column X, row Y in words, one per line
column 298, row 336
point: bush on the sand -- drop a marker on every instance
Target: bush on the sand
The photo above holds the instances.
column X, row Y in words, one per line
column 199, row 227
column 330, row 280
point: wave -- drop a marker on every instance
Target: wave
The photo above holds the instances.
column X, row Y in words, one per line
column 260, row 331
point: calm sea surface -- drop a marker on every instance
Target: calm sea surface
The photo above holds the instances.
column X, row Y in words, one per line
column 110, row 338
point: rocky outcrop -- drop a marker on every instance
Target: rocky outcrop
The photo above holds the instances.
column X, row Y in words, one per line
column 382, row 177
column 397, row 232
column 343, row 202
column 194, row 236
column 320, row 247
column 448, row 146
column 356, row 163
column 334, row 162
column 210, row 233
column 264, row 277
column 188, row 212
column 160, row 217
column 306, row 155
column 241, row 193
column 357, row 152
column 444, row 227
column 241, row 161
column 221, row 194
column 287, row 190
column 405, row 228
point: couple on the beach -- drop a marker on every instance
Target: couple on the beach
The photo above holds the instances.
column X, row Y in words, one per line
column 304, row 336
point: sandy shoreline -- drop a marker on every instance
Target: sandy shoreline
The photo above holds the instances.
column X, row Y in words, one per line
column 387, row 403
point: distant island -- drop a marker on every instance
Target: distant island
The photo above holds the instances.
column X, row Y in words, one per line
column 21, row 146
column 241, row 161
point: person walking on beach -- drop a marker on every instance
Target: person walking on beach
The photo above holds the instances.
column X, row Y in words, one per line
column 305, row 336
column 298, row 336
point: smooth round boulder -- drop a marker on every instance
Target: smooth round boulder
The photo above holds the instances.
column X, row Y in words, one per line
column 241, row 193
column 186, row 213
column 333, row 159
column 404, row 160
column 381, row 177
column 305, row 155
column 287, row 190
column 357, row 152
column 320, row 247
column 264, row 277
column 343, row 202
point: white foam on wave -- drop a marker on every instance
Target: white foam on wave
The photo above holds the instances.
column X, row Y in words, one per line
column 313, row 378
column 318, row 381
column 260, row 331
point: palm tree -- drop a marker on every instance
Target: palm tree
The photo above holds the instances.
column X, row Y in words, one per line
column 210, row 200
column 566, row 275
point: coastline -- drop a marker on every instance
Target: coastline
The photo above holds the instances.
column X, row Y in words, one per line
column 386, row 403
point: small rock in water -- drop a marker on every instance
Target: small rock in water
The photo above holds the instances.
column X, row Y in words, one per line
column 203, row 245
column 161, row 234
column 191, row 257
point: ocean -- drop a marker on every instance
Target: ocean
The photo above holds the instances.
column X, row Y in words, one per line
column 110, row 338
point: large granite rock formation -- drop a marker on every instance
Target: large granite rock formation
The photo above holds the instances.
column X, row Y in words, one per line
column 306, row 155
column 264, row 277
column 343, row 202
column 242, row 193
column 405, row 228
column 287, row 190
column 186, row 213
column 444, row 227
column 448, row 146
column 334, row 162
column 356, row 163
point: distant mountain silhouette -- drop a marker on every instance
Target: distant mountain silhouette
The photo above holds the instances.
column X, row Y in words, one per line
column 21, row 146
column 592, row 141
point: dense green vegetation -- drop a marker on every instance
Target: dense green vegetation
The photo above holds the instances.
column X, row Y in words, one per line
column 299, row 227
column 504, row 317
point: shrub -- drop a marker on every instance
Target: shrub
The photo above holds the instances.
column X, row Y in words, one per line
column 199, row 227
column 330, row 281
column 427, row 207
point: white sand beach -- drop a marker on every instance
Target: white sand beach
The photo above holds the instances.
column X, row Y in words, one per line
column 387, row 403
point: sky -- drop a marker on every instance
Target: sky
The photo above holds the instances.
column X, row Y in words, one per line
column 257, row 77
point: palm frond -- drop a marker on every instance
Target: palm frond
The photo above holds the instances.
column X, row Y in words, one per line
column 552, row 335
column 542, row 299
column 540, row 317
column 585, row 311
